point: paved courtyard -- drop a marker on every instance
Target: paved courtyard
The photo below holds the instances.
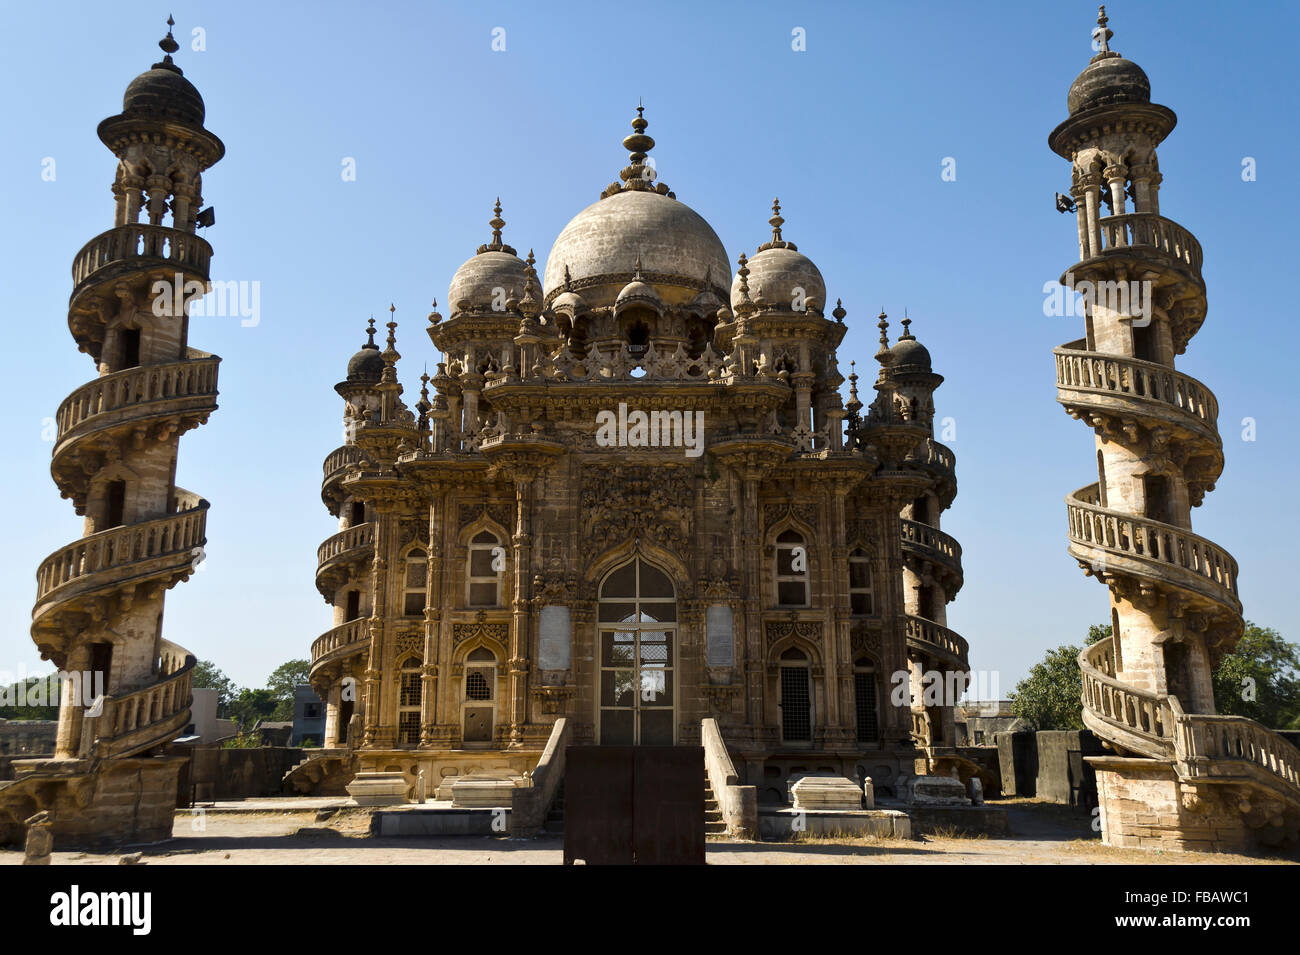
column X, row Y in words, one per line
column 263, row 832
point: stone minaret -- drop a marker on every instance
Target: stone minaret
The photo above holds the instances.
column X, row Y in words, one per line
column 1174, row 608
column 99, row 604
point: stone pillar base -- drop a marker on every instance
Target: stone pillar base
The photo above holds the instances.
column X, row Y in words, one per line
column 1143, row 806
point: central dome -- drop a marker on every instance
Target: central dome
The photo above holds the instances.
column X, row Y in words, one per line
column 600, row 246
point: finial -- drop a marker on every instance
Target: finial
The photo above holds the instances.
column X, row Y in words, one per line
column 853, row 385
column 776, row 220
column 370, row 332
column 882, row 354
column 435, row 317
column 1103, row 34
column 568, row 279
column 839, row 313
column 496, row 222
column 168, row 43
column 636, row 269
column 392, row 326
column 907, row 334
column 637, row 175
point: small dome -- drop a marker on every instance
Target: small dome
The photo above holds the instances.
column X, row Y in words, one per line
column 909, row 357
column 783, row 277
column 486, row 280
column 1108, row 79
column 638, row 292
column 570, row 303
column 163, row 92
column 366, row 365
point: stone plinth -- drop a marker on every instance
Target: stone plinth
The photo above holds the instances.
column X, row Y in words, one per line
column 787, row 823
column 936, row 791
column 379, row 789
column 836, row 793
column 470, row 793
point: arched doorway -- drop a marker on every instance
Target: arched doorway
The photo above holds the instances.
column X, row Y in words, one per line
column 637, row 619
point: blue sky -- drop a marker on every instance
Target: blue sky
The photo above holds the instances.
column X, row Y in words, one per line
column 851, row 134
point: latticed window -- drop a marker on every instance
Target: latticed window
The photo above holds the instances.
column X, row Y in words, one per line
column 410, row 693
column 486, row 564
column 796, row 698
column 861, row 597
column 417, row 576
column 791, row 570
column 477, row 686
column 864, row 702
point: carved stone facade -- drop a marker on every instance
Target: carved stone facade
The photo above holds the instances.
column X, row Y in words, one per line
column 631, row 495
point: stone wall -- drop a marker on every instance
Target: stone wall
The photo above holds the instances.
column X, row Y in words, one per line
column 217, row 774
column 1050, row 765
column 1142, row 808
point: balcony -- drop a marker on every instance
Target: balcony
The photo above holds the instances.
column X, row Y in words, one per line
column 938, row 641
column 341, row 641
column 1151, row 550
column 1133, row 387
column 131, row 247
column 1146, row 232
column 338, row 555
column 931, row 544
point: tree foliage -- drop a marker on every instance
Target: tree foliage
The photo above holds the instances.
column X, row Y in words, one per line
column 1048, row 698
column 207, row 676
column 36, row 698
column 1260, row 679
column 281, row 683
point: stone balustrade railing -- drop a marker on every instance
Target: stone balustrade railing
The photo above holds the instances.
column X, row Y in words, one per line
column 174, row 535
column 1227, row 739
column 137, row 241
column 137, row 386
column 1132, row 378
column 340, row 459
column 118, row 730
column 353, row 538
column 932, row 543
column 1140, row 713
column 931, row 637
column 1190, row 559
column 930, row 452
column 353, row 633
column 739, row 804
column 1148, row 230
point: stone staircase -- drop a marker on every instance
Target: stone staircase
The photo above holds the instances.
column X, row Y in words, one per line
column 713, row 823
column 554, row 824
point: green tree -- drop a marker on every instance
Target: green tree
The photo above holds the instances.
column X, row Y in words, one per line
column 1049, row 697
column 250, row 706
column 1260, row 679
column 39, row 699
column 281, row 683
column 208, row 677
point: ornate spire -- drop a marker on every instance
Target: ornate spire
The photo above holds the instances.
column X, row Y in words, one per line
column 1102, row 34
column 744, row 305
column 497, row 223
column 882, row 354
column 391, row 354
column 370, row 332
column 777, row 242
column 907, row 333
column 839, row 312
column 638, row 175
column 854, row 404
column 435, row 316
column 169, row 46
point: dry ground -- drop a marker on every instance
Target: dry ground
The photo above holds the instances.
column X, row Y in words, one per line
column 1044, row 835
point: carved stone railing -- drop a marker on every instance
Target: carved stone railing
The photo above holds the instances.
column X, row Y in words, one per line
column 1151, row 231
column 739, row 804
column 141, row 719
column 357, row 538
column 135, row 390
column 936, row 639
column 105, row 554
column 354, row 633
column 340, row 459
column 1215, row 746
column 1171, row 554
column 920, row 727
column 1131, row 378
column 1145, row 720
column 148, row 244
column 932, row 544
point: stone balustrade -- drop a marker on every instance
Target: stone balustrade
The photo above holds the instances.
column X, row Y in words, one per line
column 1141, row 713
column 135, row 387
column 353, row 633
column 1229, row 739
column 358, row 537
column 188, row 252
column 932, row 544
column 174, row 535
column 930, row 637
column 1150, row 231
column 1186, row 559
column 1119, row 376
column 340, row 459
column 117, row 731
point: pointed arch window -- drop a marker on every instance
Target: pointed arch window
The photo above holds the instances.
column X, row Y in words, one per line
column 791, row 570
column 487, row 560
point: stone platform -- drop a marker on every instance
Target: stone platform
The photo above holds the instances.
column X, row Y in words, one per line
column 884, row 823
column 439, row 819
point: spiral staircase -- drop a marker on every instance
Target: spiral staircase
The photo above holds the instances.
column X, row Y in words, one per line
column 1182, row 776
column 99, row 599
